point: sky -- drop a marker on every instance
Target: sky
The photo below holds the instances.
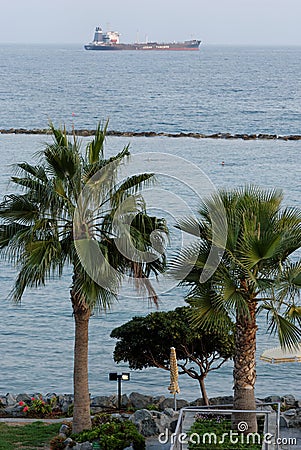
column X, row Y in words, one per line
column 229, row 22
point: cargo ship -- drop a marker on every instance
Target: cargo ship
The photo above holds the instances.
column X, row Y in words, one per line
column 109, row 40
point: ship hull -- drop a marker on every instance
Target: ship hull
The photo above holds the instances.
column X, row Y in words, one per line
column 189, row 45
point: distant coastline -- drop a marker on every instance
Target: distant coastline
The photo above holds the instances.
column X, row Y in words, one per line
column 86, row 132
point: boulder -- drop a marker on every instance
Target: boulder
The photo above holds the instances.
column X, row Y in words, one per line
column 197, row 402
column 125, row 401
column 14, row 411
column 295, row 422
column 161, row 420
column 272, row 399
column 170, row 412
column 288, row 400
column 2, row 402
column 170, row 403
column 23, row 398
column 290, row 413
column 64, row 430
column 101, row 401
column 151, row 423
column 140, row 401
column 69, row 443
column 226, row 400
column 145, row 423
column 10, row 399
column 64, row 407
column 84, row 446
column 64, row 402
column 293, row 418
column 69, row 398
column 51, row 397
column 158, row 399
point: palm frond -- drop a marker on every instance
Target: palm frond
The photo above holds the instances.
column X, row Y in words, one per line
column 95, row 148
column 289, row 282
column 18, row 208
column 131, row 186
column 289, row 334
column 28, row 170
column 192, row 226
column 207, row 312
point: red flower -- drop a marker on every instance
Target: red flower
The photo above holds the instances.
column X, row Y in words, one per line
column 25, row 409
column 21, row 403
column 32, row 398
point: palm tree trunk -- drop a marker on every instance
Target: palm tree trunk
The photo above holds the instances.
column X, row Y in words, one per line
column 244, row 372
column 81, row 411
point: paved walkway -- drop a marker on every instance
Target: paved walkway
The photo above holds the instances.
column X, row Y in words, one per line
column 287, row 434
column 24, row 421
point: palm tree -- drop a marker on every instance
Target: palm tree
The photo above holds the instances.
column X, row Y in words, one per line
column 255, row 274
column 38, row 234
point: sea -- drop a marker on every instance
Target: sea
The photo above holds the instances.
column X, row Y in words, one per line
column 219, row 89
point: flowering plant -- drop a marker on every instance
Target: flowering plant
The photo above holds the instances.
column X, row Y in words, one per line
column 37, row 407
column 200, row 417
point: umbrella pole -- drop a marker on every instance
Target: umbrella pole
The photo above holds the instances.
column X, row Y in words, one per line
column 175, row 401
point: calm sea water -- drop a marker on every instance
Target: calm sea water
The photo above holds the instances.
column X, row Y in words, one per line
column 217, row 89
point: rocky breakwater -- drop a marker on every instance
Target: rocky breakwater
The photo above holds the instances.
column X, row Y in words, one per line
column 196, row 135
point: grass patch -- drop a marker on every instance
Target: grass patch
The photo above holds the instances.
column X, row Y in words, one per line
column 30, row 436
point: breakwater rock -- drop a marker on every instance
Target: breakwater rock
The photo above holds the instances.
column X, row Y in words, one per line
column 23, row 405
column 86, row 132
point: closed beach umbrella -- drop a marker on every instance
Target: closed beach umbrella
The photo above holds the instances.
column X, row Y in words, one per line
column 278, row 355
column 174, row 375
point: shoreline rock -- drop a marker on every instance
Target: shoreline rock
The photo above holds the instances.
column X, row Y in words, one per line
column 12, row 405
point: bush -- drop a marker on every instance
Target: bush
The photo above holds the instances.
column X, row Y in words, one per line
column 101, row 418
column 37, row 407
column 214, row 432
column 57, row 443
column 112, row 434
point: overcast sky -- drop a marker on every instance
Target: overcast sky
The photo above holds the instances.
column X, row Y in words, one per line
column 255, row 22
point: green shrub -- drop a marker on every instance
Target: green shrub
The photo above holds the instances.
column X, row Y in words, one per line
column 113, row 434
column 102, row 418
column 220, row 439
column 152, row 407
